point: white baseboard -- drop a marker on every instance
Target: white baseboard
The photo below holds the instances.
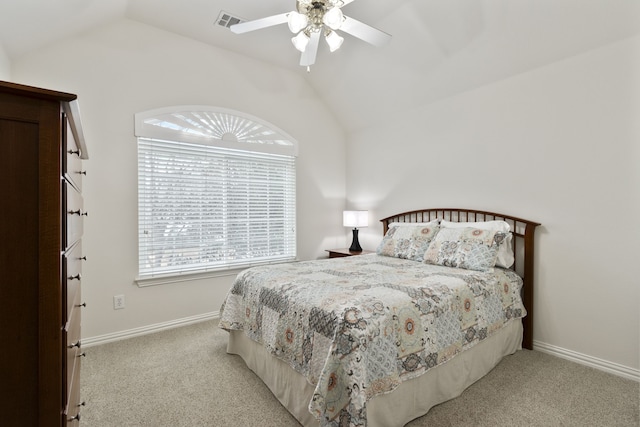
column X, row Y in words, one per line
column 593, row 362
column 144, row 330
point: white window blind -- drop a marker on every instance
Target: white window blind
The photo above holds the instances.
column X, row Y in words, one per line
column 203, row 207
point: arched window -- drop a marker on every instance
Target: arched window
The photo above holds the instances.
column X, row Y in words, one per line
column 216, row 190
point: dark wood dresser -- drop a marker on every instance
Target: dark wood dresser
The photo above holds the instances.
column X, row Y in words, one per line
column 41, row 153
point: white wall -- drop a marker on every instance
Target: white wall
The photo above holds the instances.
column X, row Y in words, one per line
column 5, row 65
column 558, row 145
column 128, row 67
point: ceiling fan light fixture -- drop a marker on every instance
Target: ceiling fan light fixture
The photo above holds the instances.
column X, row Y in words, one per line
column 333, row 18
column 313, row 19
column 297, row 21
column 300, row 41
column 333, row 40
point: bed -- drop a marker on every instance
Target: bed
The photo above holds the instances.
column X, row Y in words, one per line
column 379, row 339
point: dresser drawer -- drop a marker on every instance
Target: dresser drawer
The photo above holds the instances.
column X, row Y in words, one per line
column 73, row 343
column 72, row 165
column 74, row 404
column 74, row 213
column 72, row 270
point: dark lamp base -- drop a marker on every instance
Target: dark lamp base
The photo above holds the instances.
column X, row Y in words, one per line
column 355, row 244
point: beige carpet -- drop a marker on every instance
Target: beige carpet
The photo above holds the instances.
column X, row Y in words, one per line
column 183, row 377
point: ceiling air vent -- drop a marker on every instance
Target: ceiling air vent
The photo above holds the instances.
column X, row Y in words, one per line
column 225, row 19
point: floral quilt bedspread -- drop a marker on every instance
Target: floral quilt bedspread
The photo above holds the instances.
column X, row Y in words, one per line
column 358, row 326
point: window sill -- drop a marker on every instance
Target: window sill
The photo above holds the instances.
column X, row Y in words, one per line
column 144, row 282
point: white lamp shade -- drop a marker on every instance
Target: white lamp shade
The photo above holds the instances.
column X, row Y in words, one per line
column 333, row 18
column 355, row 219
column 334, row 41
column 297, row 21
column 300, row 41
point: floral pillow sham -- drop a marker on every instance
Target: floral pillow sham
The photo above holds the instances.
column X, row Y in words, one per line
column 408, row 240
column 469, row 248
column 505, row 252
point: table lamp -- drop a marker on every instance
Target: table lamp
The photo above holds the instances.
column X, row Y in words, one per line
column 355, row 219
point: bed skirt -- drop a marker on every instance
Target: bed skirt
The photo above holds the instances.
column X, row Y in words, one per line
column 408, row 401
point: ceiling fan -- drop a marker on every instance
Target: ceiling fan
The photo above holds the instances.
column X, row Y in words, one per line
column 311, row 20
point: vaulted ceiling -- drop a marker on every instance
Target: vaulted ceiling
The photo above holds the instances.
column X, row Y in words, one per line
column 439, row 48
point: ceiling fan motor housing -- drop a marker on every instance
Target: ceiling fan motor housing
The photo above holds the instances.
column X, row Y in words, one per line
column 314, row 10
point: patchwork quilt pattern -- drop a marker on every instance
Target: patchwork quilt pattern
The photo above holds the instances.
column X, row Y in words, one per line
column 357, row 327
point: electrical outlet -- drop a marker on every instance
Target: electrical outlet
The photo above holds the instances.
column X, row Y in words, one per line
column 118, row 302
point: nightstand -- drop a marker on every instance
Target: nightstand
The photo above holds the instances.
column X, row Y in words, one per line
column 342, row 252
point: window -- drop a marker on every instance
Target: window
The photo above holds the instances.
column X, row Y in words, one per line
column 216, row 190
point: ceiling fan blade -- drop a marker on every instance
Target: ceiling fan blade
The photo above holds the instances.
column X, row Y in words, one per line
column 245, row 27
column 309, row 55
column 364, row 32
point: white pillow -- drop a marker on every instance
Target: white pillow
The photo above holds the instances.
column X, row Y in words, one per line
column 483, row 225
column 417, row 224
column 505, row 252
